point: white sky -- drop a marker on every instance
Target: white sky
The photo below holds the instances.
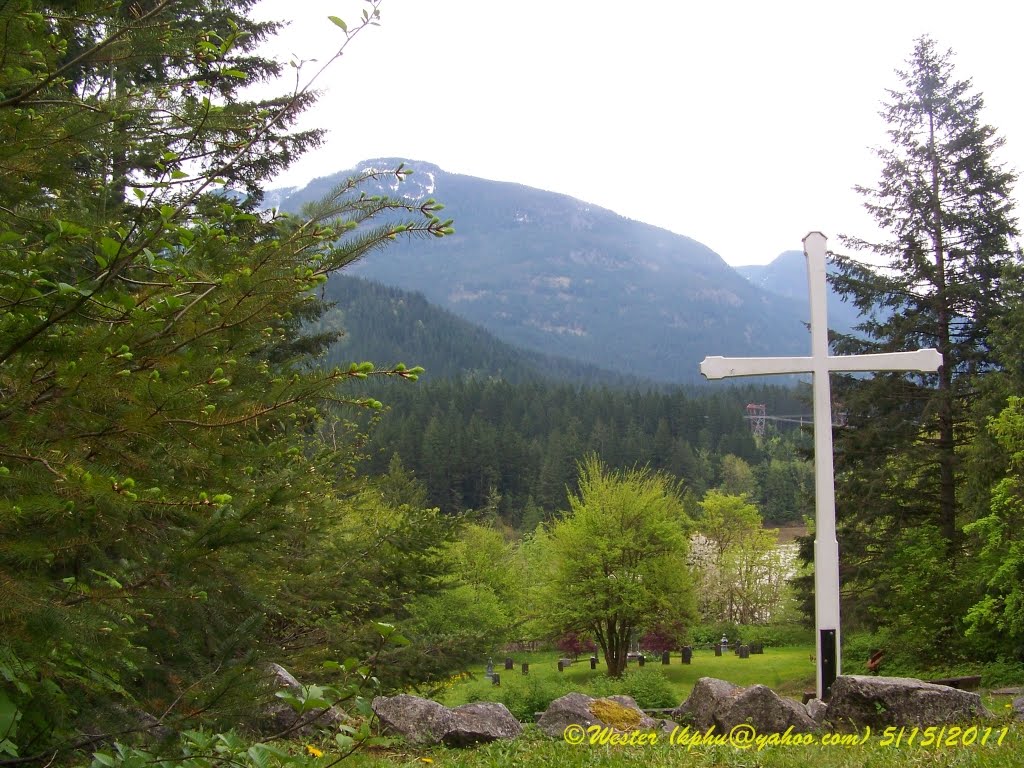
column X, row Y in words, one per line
column 743, row 125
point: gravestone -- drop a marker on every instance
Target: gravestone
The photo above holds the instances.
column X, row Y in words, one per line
column 757, row 647
column 593, row 662
column 665, row 657
column 641, row 660
column 820, row 364
column 687, row 654
column 489, row 674
column 526, row 668
column 718, row 650
column 561, row 668
column 496, row 679
column 744, row 651
column 509, row 664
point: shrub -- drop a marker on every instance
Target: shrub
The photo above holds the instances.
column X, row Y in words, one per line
column 531, row 695
column 649, row 688
column 711, row 634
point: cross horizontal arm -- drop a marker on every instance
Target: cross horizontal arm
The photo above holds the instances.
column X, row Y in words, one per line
column 726, row 367
column 918, row 360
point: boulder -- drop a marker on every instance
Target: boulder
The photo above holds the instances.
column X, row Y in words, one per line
column 762, row 708
column 618, row 712
column 816, row 710
column 879, row 702
column 125, row 724
column 1018, row 707
column 479, row 722
column 278, row 716
column 418, row 721
column 423, row 722
column 708, row 697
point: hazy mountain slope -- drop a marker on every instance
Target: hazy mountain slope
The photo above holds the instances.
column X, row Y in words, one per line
column 553, row 274
column 787, row 276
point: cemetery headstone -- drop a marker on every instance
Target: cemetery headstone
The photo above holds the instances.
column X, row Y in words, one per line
column 757, row 647
column 687, row 654
column 489, row 674
column 509, row 664
column 665, row 657
column 718, row 650
column 561, row 668
column 593, row 662
column 496, row 679
column 526, row 668
column 641, row 659
column 744, row 651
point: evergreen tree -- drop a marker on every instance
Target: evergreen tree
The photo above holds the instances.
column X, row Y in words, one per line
column 165, row 491
column 945, row 203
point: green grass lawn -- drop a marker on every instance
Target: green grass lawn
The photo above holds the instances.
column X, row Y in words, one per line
column 789, row 671
column 533, row 749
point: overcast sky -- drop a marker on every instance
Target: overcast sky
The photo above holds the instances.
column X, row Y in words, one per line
column 743, row 125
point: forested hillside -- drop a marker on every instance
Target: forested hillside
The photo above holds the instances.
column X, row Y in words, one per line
column 513, row 448
column 381, row 323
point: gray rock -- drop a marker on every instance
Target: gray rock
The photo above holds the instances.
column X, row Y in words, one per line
column 423, row 722
column 1012, row 691
column 816, row 710
column 418, row 721
column 125, row 723
column 479, row 722
column 580, row 709
column 859, row 700
column 708, row 697
column 765, row 710
column 275, row 716
column 1018, row 707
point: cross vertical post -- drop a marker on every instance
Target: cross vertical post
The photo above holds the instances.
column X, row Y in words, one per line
column 819, row 365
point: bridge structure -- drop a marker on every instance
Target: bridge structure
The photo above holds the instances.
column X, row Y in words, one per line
column 758, row 416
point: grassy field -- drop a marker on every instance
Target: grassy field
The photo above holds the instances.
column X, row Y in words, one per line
column 535, row 749
column 788, row 671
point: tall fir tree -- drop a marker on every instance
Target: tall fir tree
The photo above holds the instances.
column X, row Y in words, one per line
column 945, row 203
column 165, row 491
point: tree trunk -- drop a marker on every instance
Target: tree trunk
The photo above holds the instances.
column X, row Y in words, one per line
column 946, row 437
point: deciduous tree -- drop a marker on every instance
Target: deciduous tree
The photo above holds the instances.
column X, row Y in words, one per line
column 618, row 560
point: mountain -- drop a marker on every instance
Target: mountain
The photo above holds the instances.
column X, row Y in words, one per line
column 560, row 276
column 787, row 276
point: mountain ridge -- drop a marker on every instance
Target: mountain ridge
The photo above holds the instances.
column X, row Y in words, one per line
column 560, row 276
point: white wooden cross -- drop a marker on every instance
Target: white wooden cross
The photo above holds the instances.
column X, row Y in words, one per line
column 820, row 363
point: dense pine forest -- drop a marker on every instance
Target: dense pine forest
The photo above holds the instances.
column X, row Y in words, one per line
column 513, row 448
